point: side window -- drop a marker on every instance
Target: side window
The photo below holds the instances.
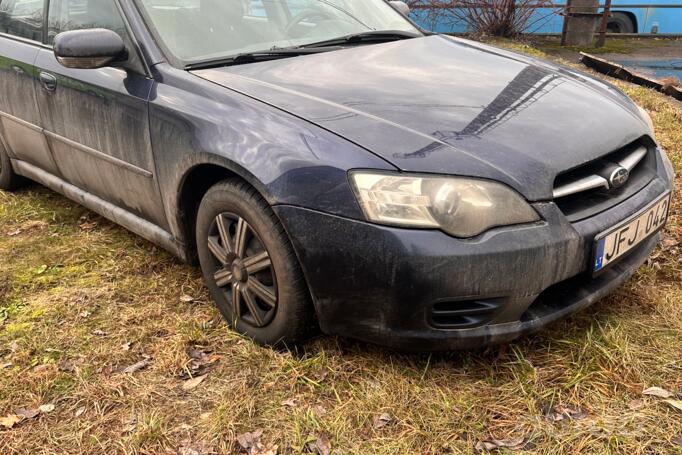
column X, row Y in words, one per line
column 256, row 9
column 22, row 18
column 65, row 15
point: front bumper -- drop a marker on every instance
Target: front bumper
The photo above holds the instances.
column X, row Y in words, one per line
column 424, row 290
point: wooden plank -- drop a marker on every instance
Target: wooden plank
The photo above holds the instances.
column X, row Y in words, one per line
column 621, row 72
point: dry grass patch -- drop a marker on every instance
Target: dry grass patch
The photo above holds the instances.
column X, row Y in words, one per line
column 81, row 300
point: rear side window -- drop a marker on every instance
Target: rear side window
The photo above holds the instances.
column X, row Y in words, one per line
column 66, row 15
column 23, row 18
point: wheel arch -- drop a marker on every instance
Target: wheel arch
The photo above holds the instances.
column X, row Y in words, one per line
column 193, row 183
column 193, row 186
column 631, row 16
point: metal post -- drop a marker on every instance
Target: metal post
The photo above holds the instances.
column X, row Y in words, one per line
column 604, row 24
column 564, row 31
column 583, row 20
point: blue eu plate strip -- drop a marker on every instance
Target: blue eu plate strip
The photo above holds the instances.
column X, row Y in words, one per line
column 599, row 263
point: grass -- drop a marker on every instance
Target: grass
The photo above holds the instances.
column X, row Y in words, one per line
column 79, row 302
column 611, row 46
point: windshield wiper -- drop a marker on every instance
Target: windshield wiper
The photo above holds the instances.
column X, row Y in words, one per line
column 260, row 56
column 365, row 37
column 374, row 36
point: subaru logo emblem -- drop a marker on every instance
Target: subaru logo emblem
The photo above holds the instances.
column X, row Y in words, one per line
column 619, row 177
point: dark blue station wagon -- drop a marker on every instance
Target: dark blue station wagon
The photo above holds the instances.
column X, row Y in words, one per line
column 331, row 166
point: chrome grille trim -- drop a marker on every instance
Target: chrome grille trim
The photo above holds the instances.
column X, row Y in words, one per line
column 587, row 183
column 591, row 182
column 633, row 159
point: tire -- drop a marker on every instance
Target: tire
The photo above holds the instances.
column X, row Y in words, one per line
column 8, row 179
column 259, row 268
column 621, row 23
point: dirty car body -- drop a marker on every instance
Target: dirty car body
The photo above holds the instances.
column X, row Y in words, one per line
column 343, row 141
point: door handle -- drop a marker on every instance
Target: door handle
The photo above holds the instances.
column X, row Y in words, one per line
column 48, row 81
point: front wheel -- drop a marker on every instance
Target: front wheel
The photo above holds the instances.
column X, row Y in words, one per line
column 250, row 267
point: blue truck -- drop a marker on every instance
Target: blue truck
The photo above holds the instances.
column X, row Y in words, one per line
column 655, row 18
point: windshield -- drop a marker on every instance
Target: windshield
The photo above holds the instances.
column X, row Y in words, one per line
column 201, row 30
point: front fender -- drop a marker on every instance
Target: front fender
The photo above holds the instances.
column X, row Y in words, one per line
column 287, row 159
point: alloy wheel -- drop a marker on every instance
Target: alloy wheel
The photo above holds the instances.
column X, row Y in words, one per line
column 244, row 270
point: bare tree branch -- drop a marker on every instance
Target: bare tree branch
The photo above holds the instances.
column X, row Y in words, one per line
column 488, row 17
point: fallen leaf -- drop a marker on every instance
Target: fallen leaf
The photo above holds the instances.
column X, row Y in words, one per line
column 677, row 440
column 193, row 383
column 560, row 412
column 99, row 333
column 382, row 420
column 677, row 404
column 196, row 353
column 198, row 365
column 10, row 420
column 79, row 412
column 46, row 408
column 126, row 346
column 657, row 392
column 494, row 444
column 636, row 405
column 28, row 413
column 252, row 444
column 186, row 299
column 28, row 226
column 14, row 347
column 84, row 314
column 144, row 363
column 5, row 365
column 322, row 445
column 249, row 439
column 88, row 225
column 290, row 402
column 25, row 414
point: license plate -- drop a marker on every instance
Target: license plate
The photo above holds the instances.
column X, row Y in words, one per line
column 617, row 241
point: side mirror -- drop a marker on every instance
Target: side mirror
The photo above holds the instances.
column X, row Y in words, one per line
column 89, row 48
column 401, row 6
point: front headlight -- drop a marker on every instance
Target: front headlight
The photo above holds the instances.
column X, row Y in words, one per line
column 462, row 207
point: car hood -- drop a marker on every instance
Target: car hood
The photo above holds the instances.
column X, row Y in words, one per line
column 449, row 106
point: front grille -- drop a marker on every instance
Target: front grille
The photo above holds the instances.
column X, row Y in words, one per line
column 457, row 314
column 586, row 191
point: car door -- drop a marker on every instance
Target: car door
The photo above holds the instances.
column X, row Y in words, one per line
column 96, row 120
column 21, row 26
